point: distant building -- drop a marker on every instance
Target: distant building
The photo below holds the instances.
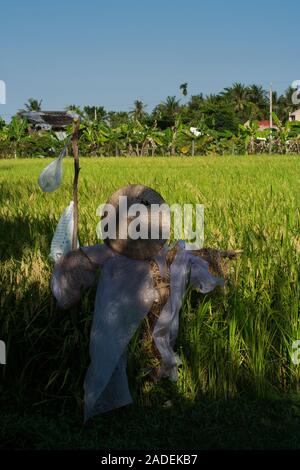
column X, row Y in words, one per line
column 295, row 115
column 57, row 121
column 266, row 125
column 262, row 125
column 49, row 120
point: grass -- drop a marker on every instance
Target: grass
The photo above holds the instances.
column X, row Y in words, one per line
column 235, row 346
column 207, row 424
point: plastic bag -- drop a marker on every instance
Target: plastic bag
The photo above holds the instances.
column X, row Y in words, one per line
column 62, row 239
column 51, row 176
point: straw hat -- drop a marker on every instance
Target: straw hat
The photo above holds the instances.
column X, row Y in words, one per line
column 137, row 248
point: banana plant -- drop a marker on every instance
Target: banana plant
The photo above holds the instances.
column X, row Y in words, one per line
column 249, row 133
column 90, row 136
column 151, row 138
column 171, row 135
column 114, row 137
column 17, row 131
column 282, row 134
column 193, row 135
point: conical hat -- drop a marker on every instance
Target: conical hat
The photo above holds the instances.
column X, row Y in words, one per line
column 137, row 248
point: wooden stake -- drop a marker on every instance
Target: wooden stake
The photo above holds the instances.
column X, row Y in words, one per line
column 76, row 124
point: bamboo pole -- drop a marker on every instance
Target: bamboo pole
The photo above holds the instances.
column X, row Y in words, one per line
column 76, row 124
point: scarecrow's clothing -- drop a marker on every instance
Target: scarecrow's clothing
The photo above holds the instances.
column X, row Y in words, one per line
column 125, row 295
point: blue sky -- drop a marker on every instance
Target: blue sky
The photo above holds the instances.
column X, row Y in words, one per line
column 112, row 52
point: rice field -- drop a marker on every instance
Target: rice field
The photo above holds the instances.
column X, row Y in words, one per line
column 231, row 343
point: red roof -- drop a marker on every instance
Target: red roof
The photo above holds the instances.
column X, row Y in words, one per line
column 266, row 124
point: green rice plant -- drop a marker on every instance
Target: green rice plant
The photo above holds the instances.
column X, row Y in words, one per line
column 239, row 340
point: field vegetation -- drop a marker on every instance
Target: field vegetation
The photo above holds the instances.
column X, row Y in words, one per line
column 235, row 344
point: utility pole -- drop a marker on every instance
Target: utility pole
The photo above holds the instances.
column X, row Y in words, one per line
column 271, row 117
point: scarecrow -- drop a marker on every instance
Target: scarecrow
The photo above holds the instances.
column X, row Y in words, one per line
column 136, row 278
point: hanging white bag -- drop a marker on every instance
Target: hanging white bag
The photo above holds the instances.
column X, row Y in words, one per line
column 51, row 176
column 62, row 239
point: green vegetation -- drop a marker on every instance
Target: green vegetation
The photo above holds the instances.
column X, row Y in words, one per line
column 227, row 124
column 206, row 424
column 235, row 345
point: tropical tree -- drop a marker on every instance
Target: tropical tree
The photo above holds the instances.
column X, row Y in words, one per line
column 282, row 133
column 151, row 138
column 138, row 112
column 89, row 136
column 115, row 137
column 2, row 124
column 33, row 105
column 17, row 131
column 117, row 118
column 171, row 135
column 283, row 105
column 167, row 112
column 249, row 133
column 95, row 113
column 193, row 136
column 171, row 106
column 239, row 95
column 219, row 114
column 259, row 98
column 183, row 88
column 76, row 109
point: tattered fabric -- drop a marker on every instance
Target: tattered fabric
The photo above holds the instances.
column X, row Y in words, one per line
column 125, row 295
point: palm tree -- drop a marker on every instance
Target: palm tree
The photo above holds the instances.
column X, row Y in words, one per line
column 258, row 95
column 33, row 105
column 117, row 118
column 259, row 99
column 183, row 88
column 95, row 113
column 195, row 102
column 239, row 95
column 138, row 112
column 284, row 104
column 170, row 107
column 166, row 113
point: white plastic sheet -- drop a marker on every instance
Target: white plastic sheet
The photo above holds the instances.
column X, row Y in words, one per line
column 185, row 268
column 51, row 177
column 63, row 235
column 125, row 295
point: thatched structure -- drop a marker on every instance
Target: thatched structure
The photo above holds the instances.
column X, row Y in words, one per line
column 49, row 120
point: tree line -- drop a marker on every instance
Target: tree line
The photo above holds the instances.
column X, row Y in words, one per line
column 197, row 125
